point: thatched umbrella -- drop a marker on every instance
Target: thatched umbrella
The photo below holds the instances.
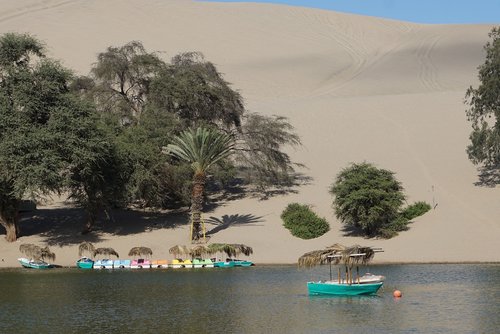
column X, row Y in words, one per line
column 86, row 247
column 139, row 251
column 47, row 254
column 243, row 249
column 179, row 250
column 229, row 249
column 200, row 250
column 36, row 252
column 105, row 251
column 322, row 256
column 31, row 251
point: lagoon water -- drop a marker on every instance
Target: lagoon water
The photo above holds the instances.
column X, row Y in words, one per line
column 262, row 299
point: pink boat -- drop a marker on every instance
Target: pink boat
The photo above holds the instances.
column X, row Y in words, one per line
column 140, row 264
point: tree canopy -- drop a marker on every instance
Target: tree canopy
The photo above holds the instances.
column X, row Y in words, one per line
column 367, row 197
column 484, row 108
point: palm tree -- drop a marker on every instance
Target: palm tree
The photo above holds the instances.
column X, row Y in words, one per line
column 202, row 148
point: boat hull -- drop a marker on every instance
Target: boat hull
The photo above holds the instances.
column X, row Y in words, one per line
column 335, row 289
column 26, row 263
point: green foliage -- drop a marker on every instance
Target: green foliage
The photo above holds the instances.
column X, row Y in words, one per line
column 367, row 198
column 484, row 111
column 303, row 222
column 46, row 132
column 415, row 210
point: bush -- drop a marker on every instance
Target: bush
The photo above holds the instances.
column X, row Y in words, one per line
column 368, row 198
column 302, row 222
column 415, row 210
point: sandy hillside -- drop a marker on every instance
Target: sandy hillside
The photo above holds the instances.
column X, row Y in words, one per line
column 356, row 88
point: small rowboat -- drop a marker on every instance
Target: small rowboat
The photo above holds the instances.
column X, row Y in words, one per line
column 33, row 264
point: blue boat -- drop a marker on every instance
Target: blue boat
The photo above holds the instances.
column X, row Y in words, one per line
column 103, row 264
column 224, row 264
column 33, row 264
column 121, row 264
column 85, row 263
column 343, row 289
column 242, row 263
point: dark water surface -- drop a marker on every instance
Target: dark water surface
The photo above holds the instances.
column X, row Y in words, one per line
column 263, row 299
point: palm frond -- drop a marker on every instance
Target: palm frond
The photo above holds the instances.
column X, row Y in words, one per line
column 179, row 250
column 337, row 253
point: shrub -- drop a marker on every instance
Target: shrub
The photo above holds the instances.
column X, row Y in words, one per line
column 415, row 210
column 367, row 198
column 302, row 222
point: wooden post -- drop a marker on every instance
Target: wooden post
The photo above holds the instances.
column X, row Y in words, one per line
column 331, row 277
column 339, row 276
column 357, row 273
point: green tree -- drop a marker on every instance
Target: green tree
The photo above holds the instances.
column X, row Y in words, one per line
column 367, row 198
column 484, row 111
column 43, row 127
column 202, row 148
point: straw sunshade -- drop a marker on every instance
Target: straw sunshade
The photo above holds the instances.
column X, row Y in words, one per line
column 338, row 254
column 179, row 250
column 199, row 251
column 37, row 253
column 139, row 251
column 231, row 250
column 86, row 247
column 105, row 251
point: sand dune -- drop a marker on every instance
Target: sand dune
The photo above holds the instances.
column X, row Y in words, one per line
column 356, row 88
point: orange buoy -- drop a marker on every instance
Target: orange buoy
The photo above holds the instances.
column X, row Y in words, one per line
column 397, row 294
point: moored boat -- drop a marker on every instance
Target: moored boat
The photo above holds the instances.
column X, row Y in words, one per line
column 85, row 263
column 343, row 289
column 140, row 264
column 224, row 264
column 103, row 264
column 179, row 263
column 121, row 264
column 202, row 263
column 242, row 263
column 33, row 264
column 351, row 284
column 159, row 264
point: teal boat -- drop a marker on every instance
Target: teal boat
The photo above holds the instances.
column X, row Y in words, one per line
column 242, row 263
column 85, row 263
column 224, row 264
column 350, row 284
column 34, row 264
column 343, row 289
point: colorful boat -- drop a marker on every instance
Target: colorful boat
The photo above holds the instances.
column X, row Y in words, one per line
column 85, row 263
column 179, row 263
column 34, row 264
column 242, row 263
column 224, row 264
column 159, row 264
column 202, row 263
column 121, row 264
column 103, row 264
column 343, row 289
column 351, row 284
column 140, row 264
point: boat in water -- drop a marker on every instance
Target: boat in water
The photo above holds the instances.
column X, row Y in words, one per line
column 202, row 263
column 34, row 264
column 103, row 264
column 121, row 264
column 85, row 263
column 350, row 284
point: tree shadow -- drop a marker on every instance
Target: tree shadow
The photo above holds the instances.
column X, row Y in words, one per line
column 489, row 176
column 63, row 226
column 227, row 221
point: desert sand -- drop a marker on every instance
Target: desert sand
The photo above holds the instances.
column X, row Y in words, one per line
column 356, row 89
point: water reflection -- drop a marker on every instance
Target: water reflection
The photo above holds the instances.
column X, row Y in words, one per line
column 436, row 299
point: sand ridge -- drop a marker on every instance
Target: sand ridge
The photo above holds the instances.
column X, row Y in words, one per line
column 356, row 88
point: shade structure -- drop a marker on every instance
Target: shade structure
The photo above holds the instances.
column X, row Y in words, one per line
column 231, row 250
column 140, row 251
column 86, row 247
column 338, row 253
column 179, row 250
column 105, row 251
column 36, row 252
column 199, row 251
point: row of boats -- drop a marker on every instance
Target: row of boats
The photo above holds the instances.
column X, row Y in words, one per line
column 88, row 263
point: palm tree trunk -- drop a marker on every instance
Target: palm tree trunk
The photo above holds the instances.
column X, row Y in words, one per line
column 199, row 181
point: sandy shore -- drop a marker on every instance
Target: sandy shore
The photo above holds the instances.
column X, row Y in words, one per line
column 356, row 89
